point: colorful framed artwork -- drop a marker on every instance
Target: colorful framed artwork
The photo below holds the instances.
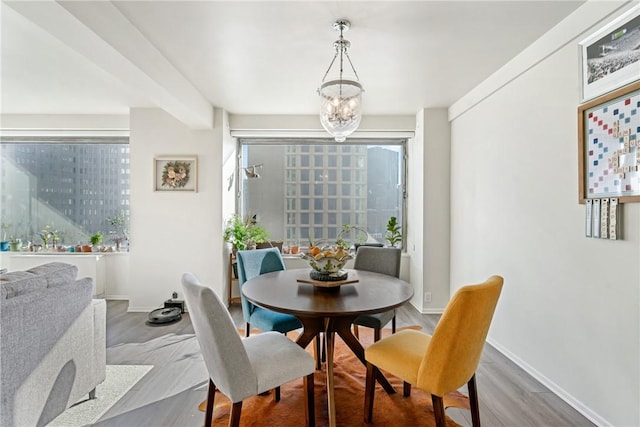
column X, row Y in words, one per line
column 175, row 173
column 609, row 146
column 610, row 58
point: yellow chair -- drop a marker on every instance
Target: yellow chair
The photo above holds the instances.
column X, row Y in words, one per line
column 442, row 362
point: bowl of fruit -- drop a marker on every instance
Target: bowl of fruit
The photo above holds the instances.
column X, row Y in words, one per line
column 327, row 263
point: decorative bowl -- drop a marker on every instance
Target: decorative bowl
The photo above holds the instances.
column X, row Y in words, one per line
column 327, row 261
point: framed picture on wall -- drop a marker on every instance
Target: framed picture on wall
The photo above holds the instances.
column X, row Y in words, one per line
column 609, row 146
column 175, row 173
column 610, row 58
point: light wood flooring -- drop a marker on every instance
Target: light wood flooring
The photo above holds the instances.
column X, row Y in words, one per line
column 170, row 393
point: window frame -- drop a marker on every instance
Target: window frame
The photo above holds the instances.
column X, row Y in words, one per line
column 243, row 141
column 31, row 230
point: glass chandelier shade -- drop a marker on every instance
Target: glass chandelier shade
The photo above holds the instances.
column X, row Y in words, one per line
column 340, row 99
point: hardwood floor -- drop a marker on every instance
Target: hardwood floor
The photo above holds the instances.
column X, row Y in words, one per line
column 170, row 393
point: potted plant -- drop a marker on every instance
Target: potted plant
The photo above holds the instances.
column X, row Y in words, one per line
column 55, row 239
column 244, row 233
column 46, row 234
column 358, row 233
column 14, row 244
column 95, row 240
column 256, row 234
column 119, row 232
column 4, row 243
column 394, row 235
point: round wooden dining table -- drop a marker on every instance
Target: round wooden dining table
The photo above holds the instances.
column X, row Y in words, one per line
column 329, row 310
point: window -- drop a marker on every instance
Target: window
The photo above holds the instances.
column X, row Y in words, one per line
column 310, row 189
column 71, row 186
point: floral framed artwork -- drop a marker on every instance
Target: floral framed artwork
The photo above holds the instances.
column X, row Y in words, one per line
column 176, row 173
column 610, row 58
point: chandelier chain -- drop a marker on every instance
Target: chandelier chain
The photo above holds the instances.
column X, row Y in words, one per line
column 330, row 65
column 341, row 46
column 351, row 64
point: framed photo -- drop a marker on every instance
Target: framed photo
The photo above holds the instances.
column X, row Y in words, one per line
column 175, row 173
column 610, row 58
column 609, row 146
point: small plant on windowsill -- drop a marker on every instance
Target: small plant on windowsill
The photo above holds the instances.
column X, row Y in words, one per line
column 95, row 240
column 360, row 235
column 119, row 233
column 47, row 234
column 394, row 234
column 14, row 243
column 244, row 233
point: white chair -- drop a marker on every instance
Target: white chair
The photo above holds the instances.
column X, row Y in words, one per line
column 243, row 367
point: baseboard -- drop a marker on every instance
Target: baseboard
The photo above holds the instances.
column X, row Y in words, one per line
column 432, row 311
column 141, row 309
column 427, row 310
column 555, row 388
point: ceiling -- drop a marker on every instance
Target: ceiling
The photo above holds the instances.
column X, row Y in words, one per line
column 263, row 57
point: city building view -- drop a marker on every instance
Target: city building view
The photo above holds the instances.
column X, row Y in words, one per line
column 72, row 189
column 304, row 193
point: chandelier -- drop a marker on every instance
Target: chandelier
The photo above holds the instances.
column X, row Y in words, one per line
column 340, row 100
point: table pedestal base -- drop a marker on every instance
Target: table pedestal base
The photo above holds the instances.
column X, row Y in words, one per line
column 313, row 327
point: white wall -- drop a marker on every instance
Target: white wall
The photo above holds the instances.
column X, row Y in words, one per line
column 229, row 189
column 569, row 308
column 414, row 227
column 173, row 232
column 428, row 166
column 435, row 213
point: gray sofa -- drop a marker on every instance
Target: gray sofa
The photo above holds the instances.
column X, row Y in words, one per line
column 52, row 343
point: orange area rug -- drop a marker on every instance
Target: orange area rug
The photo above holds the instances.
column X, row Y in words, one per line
column 349, row 374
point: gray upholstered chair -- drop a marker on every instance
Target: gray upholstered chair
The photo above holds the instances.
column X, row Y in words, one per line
column 383, row 261
column 243, row 367
column 252, row 264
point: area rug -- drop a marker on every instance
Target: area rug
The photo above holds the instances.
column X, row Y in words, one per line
column 349, row 374
column 119, row 380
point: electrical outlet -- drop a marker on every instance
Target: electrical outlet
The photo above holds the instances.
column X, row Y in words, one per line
column 427, row 297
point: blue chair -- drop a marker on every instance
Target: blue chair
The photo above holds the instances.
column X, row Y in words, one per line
column 252, row 264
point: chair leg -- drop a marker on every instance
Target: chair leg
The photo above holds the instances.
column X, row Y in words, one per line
column 208, row 418
column 234, row 417
column 473, row 402
column 324, row 348
column 393, row 324
column 376, row 334
column 438, row 410
column 277, row 394
column 369, row 393
column 406, row 389
column 247, row 330
column 356, row 332
column 317, row 352
column 310, row 406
